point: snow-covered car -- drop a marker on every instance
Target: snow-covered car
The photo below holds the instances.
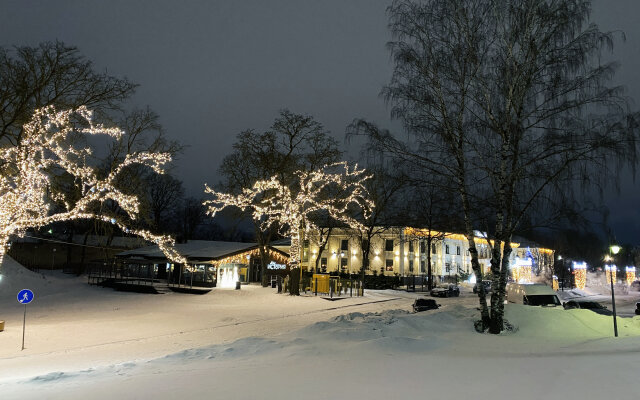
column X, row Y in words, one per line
column 588, row 305
column 425, row 304
column 446, row 291
column 485, row 283
column 532, row 294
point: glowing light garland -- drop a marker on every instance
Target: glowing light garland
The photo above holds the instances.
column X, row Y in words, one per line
column 609, row 271
column 580, row 274
column 631, row 275
column 521, row 271
column 336, row 193
column 28, row 197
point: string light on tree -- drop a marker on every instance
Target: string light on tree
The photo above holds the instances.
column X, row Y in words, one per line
column 30, row 193
column 335, row 189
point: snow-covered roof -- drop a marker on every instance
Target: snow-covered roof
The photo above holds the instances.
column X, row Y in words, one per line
column 193, row 250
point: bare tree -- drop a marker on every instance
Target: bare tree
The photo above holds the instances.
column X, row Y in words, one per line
column 51, row 74
column 431, row 206
column 508, row 99
column 191, row 215
column 383, row 187
column 165, row 194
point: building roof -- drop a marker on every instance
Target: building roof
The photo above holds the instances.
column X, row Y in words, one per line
column 193, row 250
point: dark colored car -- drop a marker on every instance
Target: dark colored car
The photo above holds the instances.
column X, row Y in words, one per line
column 485, row 283
column 588, row 305
column 446, row 291
column 425, row 304
column 637, row 308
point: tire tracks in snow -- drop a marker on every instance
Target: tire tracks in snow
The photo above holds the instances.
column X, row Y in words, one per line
column 205, row 329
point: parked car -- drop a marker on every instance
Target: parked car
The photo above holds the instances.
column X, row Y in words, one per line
column 425, row 304
column 485, row 283
column 532, row 294
column 446, row 291
column 589, row 305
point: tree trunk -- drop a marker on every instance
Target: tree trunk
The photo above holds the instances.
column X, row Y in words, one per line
column 294, row 281
column 294, row 262
column 429, row 270
column 495, row 326
column 321, row 246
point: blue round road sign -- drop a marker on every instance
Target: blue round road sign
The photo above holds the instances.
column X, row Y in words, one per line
column 25, row 296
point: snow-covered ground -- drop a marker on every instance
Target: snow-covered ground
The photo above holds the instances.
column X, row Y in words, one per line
column 88, row 342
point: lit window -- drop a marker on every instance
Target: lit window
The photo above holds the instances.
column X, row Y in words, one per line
column 389, row 264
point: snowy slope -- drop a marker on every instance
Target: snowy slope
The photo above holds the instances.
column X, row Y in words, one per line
column 264, row 345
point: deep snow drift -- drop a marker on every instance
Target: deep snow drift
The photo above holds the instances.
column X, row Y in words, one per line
column 253, row 344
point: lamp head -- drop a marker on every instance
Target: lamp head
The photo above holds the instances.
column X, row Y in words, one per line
column 615, row 249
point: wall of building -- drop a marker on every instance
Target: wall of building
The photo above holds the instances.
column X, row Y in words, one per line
column 394, row 252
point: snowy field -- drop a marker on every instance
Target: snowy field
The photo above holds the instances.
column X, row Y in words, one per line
column 89, row 342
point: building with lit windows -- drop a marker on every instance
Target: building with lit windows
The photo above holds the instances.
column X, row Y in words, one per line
column 402, row 251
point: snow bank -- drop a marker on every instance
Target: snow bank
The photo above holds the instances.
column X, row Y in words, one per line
column 16, row 277
column 253, row 343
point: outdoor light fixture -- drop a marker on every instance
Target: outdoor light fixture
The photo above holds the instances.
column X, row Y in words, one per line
column 580, row 270
column 613, row 249
column 631, row 274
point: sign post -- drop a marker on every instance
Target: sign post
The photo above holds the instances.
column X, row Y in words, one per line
column 25, row 296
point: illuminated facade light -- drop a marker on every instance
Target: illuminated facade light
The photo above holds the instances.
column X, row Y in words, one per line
column 521, row 271
column 580, row 271
column 631, row 274
column 610, row 272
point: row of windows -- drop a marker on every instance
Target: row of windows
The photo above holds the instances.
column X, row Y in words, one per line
column 388, row 246
column 388, row 265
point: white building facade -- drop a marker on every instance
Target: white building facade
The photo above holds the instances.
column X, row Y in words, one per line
column 396, row 251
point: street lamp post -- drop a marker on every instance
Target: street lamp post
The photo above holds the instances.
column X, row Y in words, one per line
column 613, row 249
column 562, row 266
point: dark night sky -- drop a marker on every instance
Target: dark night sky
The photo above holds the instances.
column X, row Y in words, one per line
column 213, row 68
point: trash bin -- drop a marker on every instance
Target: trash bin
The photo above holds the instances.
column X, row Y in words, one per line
column 237, row 285
column 1, row 326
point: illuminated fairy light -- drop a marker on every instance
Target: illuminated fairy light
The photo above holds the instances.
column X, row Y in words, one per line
column 30, row 197
column 610, row 270
column 521, row 271
column 228, row 277
column 290, row 207
column 631, row 275
column 580, row 271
